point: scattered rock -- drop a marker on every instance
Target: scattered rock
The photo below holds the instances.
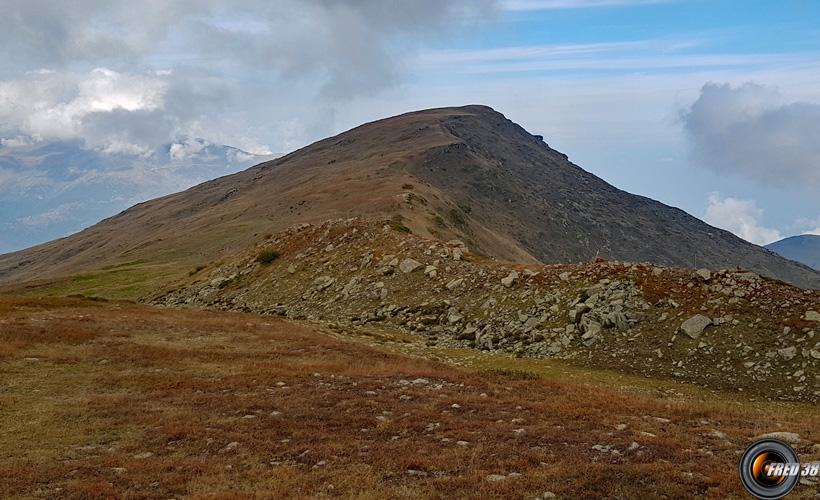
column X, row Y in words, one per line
column 228, row 448
column 510, row 279
column 409, row 265
column 694, row 326
column 455, row 283
column 787, row 437
column 704, row 274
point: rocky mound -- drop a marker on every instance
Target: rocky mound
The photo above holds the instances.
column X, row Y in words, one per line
column 726, row 329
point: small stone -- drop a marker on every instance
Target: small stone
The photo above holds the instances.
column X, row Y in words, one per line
column 229, row 447
column 455, row 283
column 788, row 437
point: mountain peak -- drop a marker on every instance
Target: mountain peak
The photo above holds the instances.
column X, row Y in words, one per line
column 464, row 173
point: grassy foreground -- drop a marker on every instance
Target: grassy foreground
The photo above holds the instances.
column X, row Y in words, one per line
column 119, row 400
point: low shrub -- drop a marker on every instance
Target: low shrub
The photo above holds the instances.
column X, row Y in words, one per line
column 267, row 256
column 196, row 270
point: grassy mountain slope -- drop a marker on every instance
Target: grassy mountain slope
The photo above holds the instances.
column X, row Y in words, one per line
column 453, row 172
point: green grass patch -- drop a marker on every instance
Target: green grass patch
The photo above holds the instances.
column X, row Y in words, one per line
column 510, row 373
column 128, row 283
column 398, row 226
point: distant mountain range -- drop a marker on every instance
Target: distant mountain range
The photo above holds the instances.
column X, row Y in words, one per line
column 804, row 248
column 49, row 190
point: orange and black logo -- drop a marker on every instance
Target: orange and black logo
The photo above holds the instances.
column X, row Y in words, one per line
column 769, row 469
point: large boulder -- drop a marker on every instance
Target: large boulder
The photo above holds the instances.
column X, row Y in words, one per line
column 695, row 325
column 812, row 316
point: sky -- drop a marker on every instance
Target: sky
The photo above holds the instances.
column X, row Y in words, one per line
column 712, row 106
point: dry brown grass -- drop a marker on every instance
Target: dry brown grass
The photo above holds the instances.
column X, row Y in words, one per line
column 129, row 401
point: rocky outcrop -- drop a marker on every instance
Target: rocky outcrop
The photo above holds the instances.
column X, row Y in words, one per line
column 607, row 305
column 639, row 318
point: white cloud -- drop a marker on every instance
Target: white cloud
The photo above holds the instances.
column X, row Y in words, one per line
column 56, row 214
column 54, row 105
column 741, row 217
column 750, row 130
column 807, row 225
column 182, row 150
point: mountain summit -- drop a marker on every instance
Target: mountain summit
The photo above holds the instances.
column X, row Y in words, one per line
column 466, row 172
